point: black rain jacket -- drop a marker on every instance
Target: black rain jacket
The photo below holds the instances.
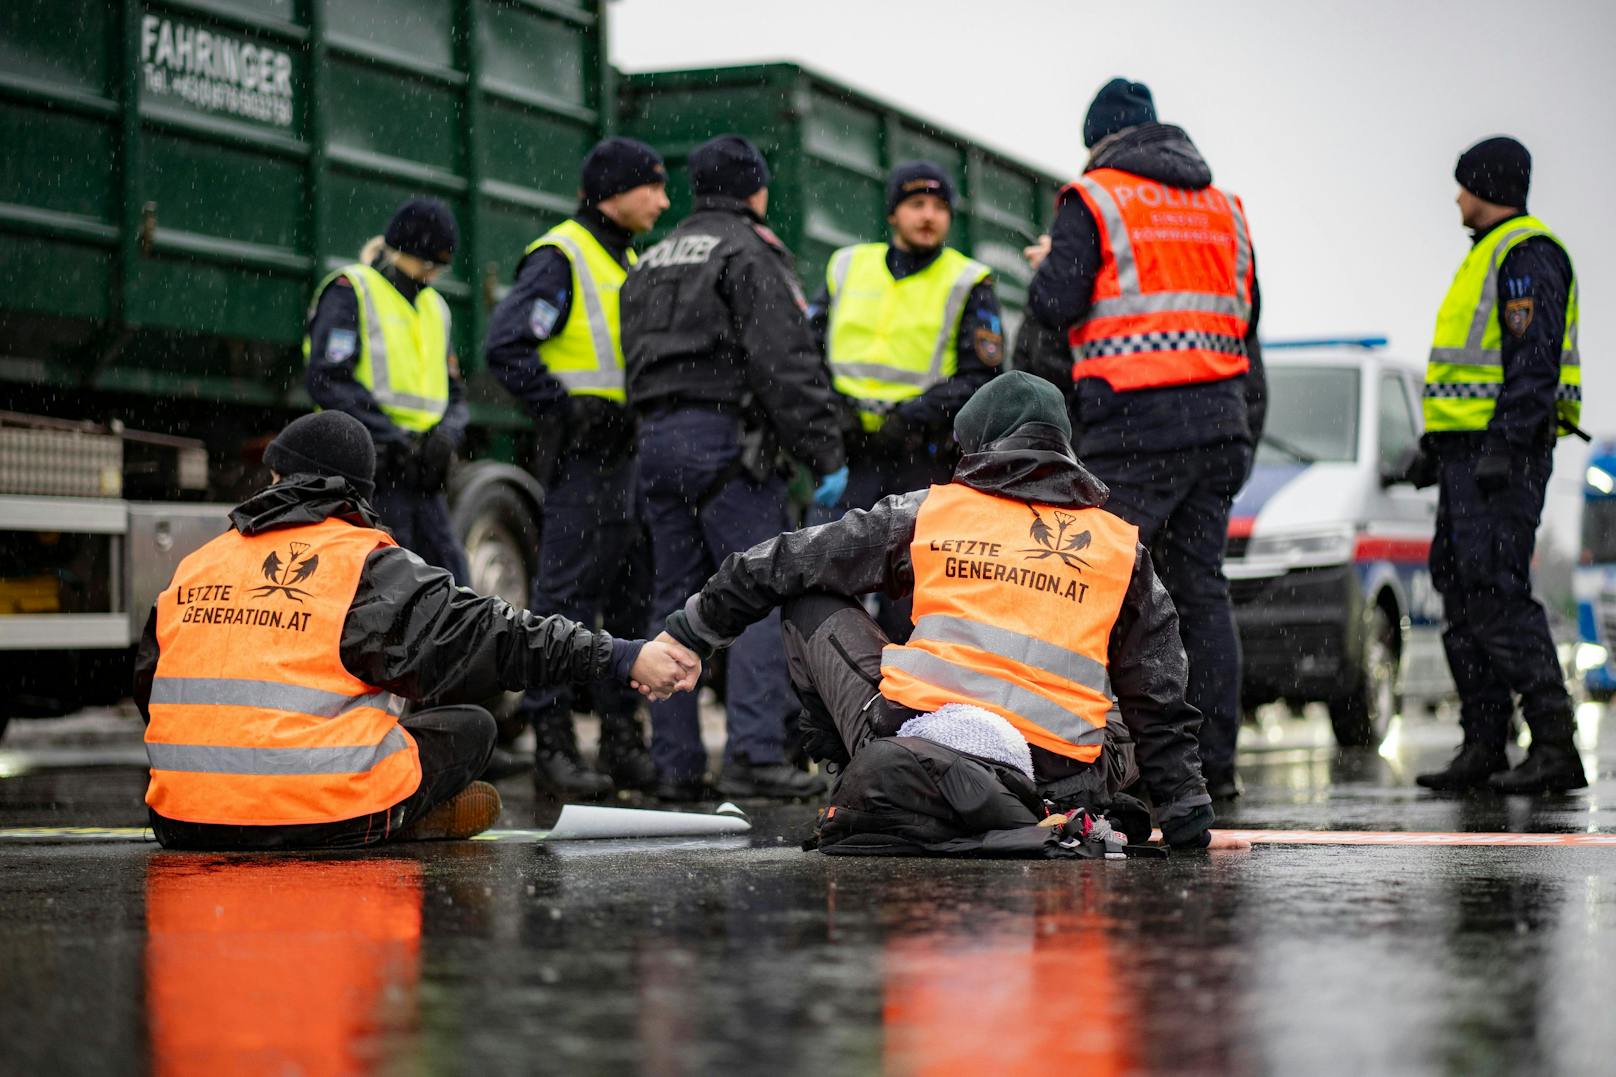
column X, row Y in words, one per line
column 409, row 629
column 867, row 551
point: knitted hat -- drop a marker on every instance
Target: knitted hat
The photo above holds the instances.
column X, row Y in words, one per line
column 918, row 177
column 616, row 165
column 727, row 165
column 326, row 443
column 1496, row 169
column 1004, row 405
column 424, row 227
column 1119, row 105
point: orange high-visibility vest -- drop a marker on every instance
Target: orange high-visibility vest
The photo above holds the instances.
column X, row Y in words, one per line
column 254, row 720
column 1172, row 301
column 1013, row 609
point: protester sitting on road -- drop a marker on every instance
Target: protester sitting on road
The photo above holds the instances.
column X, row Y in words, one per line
column 1031, row 603
column 274, row 668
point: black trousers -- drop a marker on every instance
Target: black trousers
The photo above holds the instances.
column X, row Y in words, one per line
column 454, row 745
column 1180, row 503
column 1497, row 635
column 833, row 652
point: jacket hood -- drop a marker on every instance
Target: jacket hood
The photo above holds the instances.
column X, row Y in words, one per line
column 1035, row 463
column 301, row 500
column 1156, row 151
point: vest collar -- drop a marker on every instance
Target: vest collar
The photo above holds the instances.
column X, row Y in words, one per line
column 1034, row 463
column 607, row 232
column 1477, row 237
column 902, row 263
column 300, row 500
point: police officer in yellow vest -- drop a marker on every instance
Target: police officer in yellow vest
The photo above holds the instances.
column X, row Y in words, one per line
column 910, row 329
column 554, row 342
column 1503, row 382
column 379, row 347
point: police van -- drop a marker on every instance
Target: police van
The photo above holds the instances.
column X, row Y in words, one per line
column 1594, row 583
column 1327, row 549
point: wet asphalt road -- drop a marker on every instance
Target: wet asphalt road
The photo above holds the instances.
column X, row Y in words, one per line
column 746, row 955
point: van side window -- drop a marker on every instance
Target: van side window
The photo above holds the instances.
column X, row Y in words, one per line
column 1397, row 431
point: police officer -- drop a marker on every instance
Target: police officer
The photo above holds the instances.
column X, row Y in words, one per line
column 1502, row 383
column 554, row 342
column 723, row 373
column 1148, row 270
column 379, row 347
column 911, row 329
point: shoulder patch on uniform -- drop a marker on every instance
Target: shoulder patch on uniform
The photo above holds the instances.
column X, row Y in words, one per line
column 989, row 346
column 340, row 345
column 542, row 317
column 767, row 235
column 1518, row 316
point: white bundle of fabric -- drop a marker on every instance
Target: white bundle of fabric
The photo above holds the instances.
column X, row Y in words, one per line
column 965, row 728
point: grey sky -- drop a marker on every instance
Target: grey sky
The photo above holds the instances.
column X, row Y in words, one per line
column 1338, row 123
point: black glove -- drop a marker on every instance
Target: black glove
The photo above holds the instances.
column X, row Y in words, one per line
column 397, row 460
column 1189, row 831
column 1493, row 468
column 900, row 437
column 600, row 428
column 1423, row 470
column 432, row 459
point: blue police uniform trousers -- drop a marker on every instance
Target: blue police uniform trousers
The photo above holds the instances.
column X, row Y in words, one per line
column 1179, row 501
column 420, row 523
column 592, row 570
column 1497, row 636
column 683, row 453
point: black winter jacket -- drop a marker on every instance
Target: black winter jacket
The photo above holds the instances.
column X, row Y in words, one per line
column 713, row 316
column 868, row 551
column 409, row 629
column 1143, row 420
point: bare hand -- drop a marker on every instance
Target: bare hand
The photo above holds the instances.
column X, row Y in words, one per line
column 663, row 668
column 1036, row 253
column 1222, row 839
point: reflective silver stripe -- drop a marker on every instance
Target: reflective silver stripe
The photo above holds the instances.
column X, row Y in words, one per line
column 266, row 695
column 840, row 263
column 882, row 372
column 1242, row 251
column 607, row 374
column 951, row 319
column 1571, row 356
column 219, row 759
column 1164, row 302
column 1040, row 654
column 381, row 378
column 1117, row 232
column 1492, row 357
column 971, row 684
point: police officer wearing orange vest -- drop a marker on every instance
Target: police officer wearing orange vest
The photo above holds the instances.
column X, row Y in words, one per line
column 274, row 669
column 1148, row 272
column 1032, row 602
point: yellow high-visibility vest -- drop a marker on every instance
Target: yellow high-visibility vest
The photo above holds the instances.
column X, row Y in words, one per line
column 890, row 340
column 403, row 348
column 587, row 355
column 1466, row 370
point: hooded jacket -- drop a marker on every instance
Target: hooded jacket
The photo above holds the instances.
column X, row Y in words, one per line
column 867, row 551
column 1148, row 420
column 409, row 629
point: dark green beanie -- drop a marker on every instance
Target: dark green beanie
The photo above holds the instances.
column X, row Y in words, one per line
column 1004, row 405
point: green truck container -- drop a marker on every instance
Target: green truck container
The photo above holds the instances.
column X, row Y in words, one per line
column 830, row 148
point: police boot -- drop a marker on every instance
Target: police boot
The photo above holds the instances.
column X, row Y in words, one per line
column 740, row 777
column 623, row 754
column 1549, row 768
column 558, row 770
column 1472, row 765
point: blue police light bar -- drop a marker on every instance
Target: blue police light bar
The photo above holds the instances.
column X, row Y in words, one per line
column 1327, row 342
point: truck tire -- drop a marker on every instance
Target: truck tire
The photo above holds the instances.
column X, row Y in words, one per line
column 1362, row 712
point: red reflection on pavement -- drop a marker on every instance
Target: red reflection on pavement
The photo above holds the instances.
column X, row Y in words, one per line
column 287, row 966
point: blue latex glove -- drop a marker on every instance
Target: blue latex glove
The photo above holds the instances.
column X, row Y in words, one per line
column 831, row 488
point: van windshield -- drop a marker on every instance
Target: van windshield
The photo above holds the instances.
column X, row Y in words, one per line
column 1312, row 415
column 1599, row 530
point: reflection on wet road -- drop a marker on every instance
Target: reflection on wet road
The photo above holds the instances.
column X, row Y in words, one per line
column 746, row 955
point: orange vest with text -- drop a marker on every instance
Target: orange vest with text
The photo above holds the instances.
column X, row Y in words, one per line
column 254, row 720
column 1172, row 302
column 1013, row 608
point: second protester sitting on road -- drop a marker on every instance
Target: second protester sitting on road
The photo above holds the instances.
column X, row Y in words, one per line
column 723, row 374
column 380, row 348
column 555, row 342
column 1032, row 604
column 910, row 330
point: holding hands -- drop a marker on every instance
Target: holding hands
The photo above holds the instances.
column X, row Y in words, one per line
column 663, row 668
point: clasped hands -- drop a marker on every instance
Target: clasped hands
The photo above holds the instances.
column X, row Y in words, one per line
column 665, row 666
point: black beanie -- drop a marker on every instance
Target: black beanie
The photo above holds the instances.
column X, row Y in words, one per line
column 1120, row 104
column 727, row 165
column 1496, row 169
column 425, row 228
column 616, row 165
column 326, row 443
column 1004, row 405
column 918, row 177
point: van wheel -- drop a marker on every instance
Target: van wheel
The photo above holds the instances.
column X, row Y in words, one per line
column 502, row 549
column 1362, row 713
